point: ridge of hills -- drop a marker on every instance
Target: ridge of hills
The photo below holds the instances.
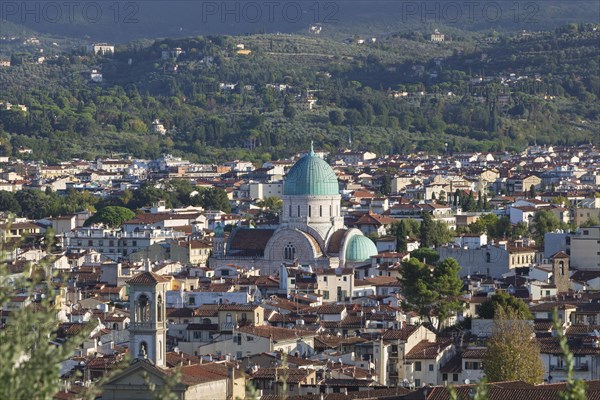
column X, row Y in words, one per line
column 483, row 92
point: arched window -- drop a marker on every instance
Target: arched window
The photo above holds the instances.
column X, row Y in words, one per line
column 159, row 306
column 309, row 211
column 206, row 321
column 298, row 209
column 320, row 211
column 290, row 211
column 143, row 350
column 289, row 252
column 142, row 309
column 330, row 210
column 561, row 264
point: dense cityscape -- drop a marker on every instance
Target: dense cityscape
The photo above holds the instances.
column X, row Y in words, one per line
column 305, row 274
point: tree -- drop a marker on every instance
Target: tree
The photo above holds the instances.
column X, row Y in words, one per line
column 512, row 351
column 289, row 111
column 416, row 285
column 34, row 203
column 9, row 203
column 31, row 358
column 216, row 199
column 386, row 185
column 544, row 221
column 560, row 201
column 448, row 286
column 429, row 256
column 505, row 302
column 575, row 389
column 432, row 292
column 520, row 230
column 148, row 194
column 336, row 117
column 404, row 229
column 425, row 230
column 273, row 203
column 112, row 216
column 433, row 233
column 593, row 221
column 532, row 192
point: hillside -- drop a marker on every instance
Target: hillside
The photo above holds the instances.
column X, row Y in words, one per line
column 122, row 22
column 248, row 96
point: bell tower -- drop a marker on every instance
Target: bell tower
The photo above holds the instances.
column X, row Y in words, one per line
column 560, row 271
column 148, row 327
column 219, row 240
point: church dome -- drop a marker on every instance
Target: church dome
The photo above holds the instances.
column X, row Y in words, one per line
column 360, row 248
column 311, row 176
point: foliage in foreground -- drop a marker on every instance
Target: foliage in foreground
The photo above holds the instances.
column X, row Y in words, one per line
column 31, row 357
column 575, row 388
column 512, row 352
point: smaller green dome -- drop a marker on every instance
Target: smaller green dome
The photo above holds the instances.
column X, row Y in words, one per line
column 360, row 248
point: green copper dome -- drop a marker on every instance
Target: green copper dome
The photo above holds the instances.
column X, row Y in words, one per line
column 311, row 175
column 360, row 248
column 219, row 231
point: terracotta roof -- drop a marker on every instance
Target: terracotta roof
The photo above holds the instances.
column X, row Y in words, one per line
column 147, row 278
column 560, row 254
column 545, row 307
column 326, row 309
column 274, row 332
column 427, row 350
column 400, row 334
column 453, row 366
column 183, row 312
column 474, row 352
column 250, row 240
column 582, row 329
column 348, row 382
column 332, row 342
column 70, row 329
column 173, row 359
column 374, row 219
column 335, row 242
column 383, row 281
column 201, row 373
column 542, row 325
column 516, row 390
column 291, row 375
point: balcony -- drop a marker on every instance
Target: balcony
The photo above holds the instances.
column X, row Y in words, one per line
column 144, row 325
column 227, row 326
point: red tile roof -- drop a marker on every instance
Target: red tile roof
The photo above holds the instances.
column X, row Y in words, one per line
column 147, row 278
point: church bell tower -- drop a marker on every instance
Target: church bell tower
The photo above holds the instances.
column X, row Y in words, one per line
column 148, row 327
